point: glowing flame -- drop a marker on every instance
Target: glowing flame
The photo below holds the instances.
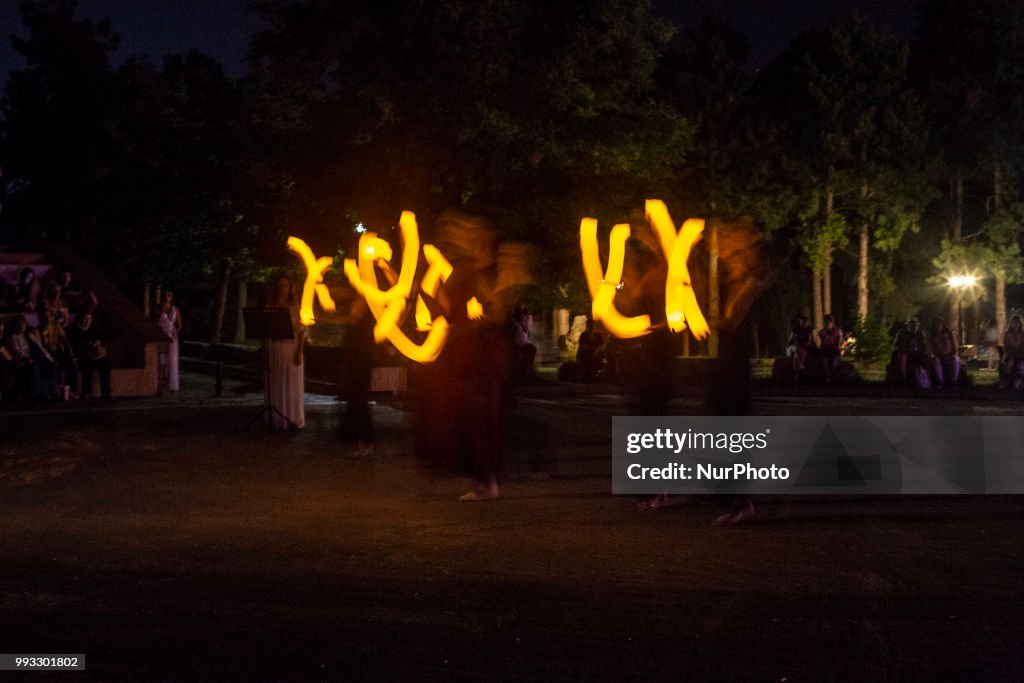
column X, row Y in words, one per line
column 388, row 306
column 314, row 283
column 603, row 286
column 474, row 309
column 681, row 306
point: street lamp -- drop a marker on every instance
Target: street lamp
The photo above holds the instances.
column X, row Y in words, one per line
column 961, row 283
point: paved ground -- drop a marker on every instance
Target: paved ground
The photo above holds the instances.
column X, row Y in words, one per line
column 167, row 542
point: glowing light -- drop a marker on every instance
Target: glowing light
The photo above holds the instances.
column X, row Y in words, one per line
column 474, row 309
column 424, row 321
column 603, row 286
column 680, row 299
column 681, row 307
column 962, row 281
column 388, row 306
column 440, row 269
column 314, row 283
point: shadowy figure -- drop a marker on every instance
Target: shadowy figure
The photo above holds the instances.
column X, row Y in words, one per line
column 461, row 395
column 6, row 367
column 830, row 340
column 356, row 373
column 54, row 300
column 286, row 358
column 525, row 351
column 910, row 355
column 590, row 353
column 58, row 347
column 990, row 335
column 800, row 346
column 742, row 277
column 168, row 318
column 44, row 366
column 944, row 349
column 87, row 341
column 26, row 291
column 1013, row 354
column 19, row 358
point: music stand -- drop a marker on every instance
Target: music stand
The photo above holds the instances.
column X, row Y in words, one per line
column 268, row 323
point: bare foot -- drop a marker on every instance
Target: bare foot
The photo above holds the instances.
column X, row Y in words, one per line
column 480, row 493
column 736, row 516
column 652, row 504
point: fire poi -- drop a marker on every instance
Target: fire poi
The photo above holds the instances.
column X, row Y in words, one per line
column 389, row 306
column 681, row 308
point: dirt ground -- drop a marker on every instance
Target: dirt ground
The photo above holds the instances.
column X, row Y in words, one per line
column 165, row 541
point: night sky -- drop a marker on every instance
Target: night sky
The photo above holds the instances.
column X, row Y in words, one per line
column 221, row 27
column 156, row 28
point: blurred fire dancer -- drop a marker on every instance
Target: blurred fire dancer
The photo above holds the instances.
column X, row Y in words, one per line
column 462, row 394
column 742, row 277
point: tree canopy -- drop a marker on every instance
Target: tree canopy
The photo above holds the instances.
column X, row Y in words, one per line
column 848, row 148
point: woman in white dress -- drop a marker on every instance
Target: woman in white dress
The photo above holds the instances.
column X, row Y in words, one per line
column 287, row 380
column 169, row 320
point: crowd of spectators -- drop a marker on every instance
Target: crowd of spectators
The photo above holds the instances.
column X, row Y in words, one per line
column 51, row 346
column 933, row 360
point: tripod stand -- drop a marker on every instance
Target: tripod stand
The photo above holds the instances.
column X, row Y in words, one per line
column 268, row 324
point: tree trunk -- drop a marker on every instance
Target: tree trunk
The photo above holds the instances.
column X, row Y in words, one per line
column 826, row 271
column 958, row 232
column 222, row 300
column 826, row 288
column 819, row 315
column 997, row 193
column 958, row 206
column 243, row 301
column 1001, row 304
column 713, row 302
column 864, row 262
column 862, row 273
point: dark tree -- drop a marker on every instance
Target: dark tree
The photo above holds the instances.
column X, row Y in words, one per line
column 56, row 142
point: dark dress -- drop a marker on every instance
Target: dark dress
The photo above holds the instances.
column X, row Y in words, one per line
column 356, row 372
column 461, row 396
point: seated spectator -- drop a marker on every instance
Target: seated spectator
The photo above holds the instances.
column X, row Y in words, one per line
column 590, row 354
column 86, row 341
column 525, row 352
column 26, row 292
column 31, row 366
column 19, row 349
column 909, row 350
column 990, row 334
column 944, row 348
column 831, row 338
column 1013, row 354
column 800, row 346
